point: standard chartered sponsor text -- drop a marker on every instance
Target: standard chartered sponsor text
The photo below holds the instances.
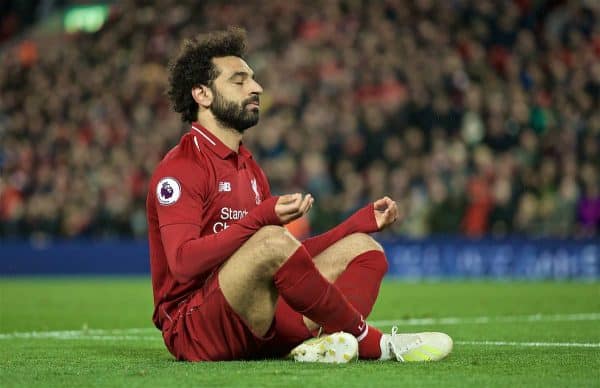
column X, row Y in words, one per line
column 228, row 214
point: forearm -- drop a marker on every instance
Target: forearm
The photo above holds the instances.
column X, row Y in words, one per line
column 190, row 256
column 362, row 221
column 197, row 256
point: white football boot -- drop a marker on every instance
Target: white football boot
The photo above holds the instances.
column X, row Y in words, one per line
column 415, row 346
column 337, row 348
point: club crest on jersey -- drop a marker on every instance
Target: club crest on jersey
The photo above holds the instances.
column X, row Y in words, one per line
column 168, row 191
column 255, row 189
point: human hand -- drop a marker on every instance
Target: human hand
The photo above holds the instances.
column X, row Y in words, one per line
column 386, row 212
column 292, row 206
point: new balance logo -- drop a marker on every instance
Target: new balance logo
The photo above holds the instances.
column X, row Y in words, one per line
column 224, row 186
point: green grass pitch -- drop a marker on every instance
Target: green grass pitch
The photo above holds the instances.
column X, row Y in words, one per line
column 97, row 332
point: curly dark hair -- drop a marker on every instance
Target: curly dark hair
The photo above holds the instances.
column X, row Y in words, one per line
column 193, row 66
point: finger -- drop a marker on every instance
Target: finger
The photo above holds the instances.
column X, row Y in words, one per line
column 298, row 201
column 291, row 217
column 310, row 205
column 306, row 204
column 293, row 206
column 387, row 215
column 388, row 201
column 380, row 204
column 283, row 199
column 288, row 198
column 287, row 209
column 393, row 210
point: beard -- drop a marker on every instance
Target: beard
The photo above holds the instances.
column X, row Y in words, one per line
column 231, row 114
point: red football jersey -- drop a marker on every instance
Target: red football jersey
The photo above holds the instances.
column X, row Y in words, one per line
column 203, row 203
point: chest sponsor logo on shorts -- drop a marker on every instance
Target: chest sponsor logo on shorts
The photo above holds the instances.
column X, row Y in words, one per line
column 168, row 191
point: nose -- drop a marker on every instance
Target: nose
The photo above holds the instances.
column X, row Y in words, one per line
column 255, row 87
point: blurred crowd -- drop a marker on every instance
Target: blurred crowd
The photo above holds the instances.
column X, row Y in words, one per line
column 479, row 117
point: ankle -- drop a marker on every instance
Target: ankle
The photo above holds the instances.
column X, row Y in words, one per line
column 369, row 347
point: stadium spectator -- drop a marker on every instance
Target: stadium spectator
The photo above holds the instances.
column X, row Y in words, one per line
column 481, row 117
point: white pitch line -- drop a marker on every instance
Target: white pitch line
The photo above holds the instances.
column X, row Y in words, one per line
column 532, row 344
column 468, row 343
column 99, row 337
column 76, row 333
column 73, row 335
column 486, row 320
column 122, row 333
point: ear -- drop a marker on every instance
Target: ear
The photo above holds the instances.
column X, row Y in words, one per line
column 202, row 95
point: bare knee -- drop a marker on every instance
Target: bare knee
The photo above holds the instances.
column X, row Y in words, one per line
column 335, row 259
column 275, row 246
column 361, row 243
column 268, row 232
column 366, row 243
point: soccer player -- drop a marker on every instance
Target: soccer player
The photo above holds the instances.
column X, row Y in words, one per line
column 229, row 281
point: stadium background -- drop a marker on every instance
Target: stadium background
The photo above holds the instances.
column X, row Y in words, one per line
column 479, row 117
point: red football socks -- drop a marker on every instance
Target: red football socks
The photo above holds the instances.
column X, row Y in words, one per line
column 368, row 347
column 360, row 284
column 361, row 280
column 303, row 287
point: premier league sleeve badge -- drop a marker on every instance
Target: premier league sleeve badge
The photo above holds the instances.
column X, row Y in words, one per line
column 168, row 191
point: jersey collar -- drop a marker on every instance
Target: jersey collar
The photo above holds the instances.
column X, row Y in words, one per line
column 211, row 141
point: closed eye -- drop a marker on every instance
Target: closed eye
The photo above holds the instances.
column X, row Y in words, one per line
column 240, row 77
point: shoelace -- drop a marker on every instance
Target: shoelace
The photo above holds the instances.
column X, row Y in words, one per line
column 392, row 346
column 403, row 349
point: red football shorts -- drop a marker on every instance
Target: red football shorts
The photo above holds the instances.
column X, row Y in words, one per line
column 206, row 328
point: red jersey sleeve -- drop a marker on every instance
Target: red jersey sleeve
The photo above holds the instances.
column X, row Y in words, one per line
column 190, row 255
column 179, row 202
column 362, row 221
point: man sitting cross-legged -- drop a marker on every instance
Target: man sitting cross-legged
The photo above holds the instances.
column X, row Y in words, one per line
column 229, row 281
